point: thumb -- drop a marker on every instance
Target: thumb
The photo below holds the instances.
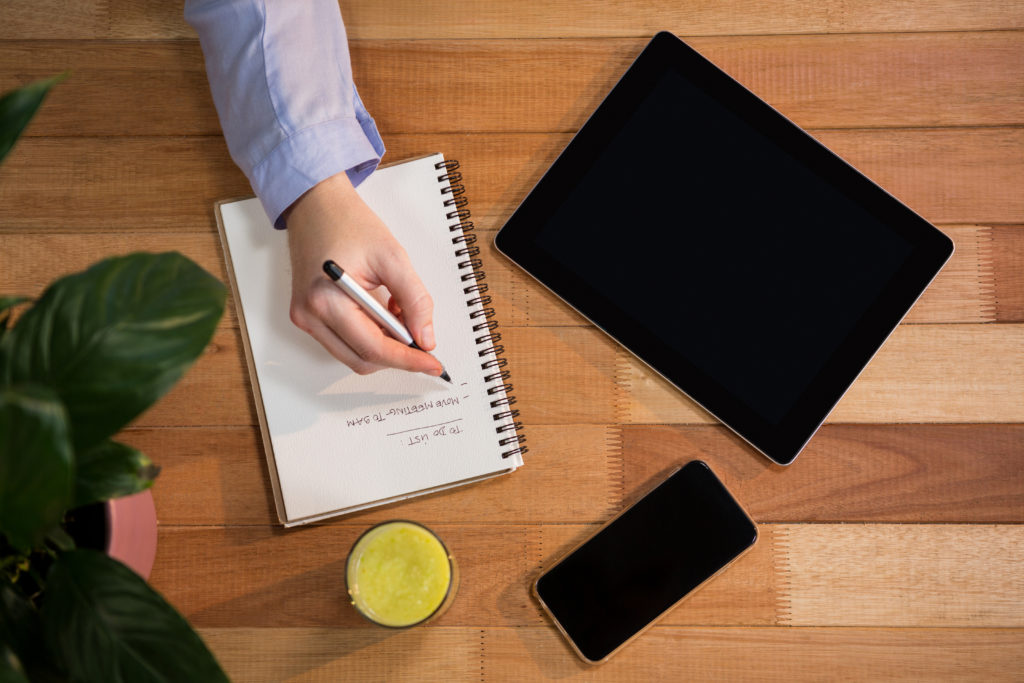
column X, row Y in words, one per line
column 409, row 295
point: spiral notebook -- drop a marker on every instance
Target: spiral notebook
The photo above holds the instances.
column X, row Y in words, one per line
column 335, row 441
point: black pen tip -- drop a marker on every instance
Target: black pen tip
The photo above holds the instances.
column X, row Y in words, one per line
column 444, row 375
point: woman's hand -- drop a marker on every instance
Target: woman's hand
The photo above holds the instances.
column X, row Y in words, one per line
column 331, row 221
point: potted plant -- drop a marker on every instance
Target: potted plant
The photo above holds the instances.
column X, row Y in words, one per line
column 81, row 362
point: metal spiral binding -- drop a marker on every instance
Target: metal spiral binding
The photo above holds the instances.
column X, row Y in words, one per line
column 491, row 353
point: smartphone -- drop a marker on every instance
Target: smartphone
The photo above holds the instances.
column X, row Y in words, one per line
column 644, row 561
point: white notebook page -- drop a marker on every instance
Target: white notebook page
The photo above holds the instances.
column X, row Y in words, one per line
column 342, row 441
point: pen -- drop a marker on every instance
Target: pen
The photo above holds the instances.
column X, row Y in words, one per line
column 373, row 308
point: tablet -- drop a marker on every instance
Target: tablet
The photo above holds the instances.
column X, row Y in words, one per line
column 726, row 248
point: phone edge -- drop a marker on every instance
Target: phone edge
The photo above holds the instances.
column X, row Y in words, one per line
column 652, row 622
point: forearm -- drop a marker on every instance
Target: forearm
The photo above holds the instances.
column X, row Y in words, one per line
column 282, row 83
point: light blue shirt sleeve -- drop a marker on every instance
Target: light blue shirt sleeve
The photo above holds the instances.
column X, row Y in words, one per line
column 282, row 83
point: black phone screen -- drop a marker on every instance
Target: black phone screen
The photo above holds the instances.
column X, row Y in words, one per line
column 646, row 560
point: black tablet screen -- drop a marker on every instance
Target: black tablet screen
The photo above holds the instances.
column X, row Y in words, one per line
column 714, row 238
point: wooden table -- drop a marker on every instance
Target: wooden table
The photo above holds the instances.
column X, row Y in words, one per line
column 892, row 548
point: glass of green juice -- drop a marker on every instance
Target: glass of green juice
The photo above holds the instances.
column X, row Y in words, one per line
column 399, row 574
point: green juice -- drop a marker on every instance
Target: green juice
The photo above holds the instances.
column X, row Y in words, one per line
column 398, row 574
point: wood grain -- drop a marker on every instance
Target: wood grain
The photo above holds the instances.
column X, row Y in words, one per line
column 958, row 374
column 797, row 574
column 764, row 654
column 1008, row 271
column 296, row 578
column 964, row 292
column 848, row 473
column 404, row 19
column 853, row 81
column 216, row 390
column 218, row 476
column 923, row 373
column 967, row 282
column 347, row 654
column 663, row 653
column 158, row 88
column 964, row 176
column 942, row 79
column 56, row 18
column 855, row 575
column 881, row 473
column 890, row 550
column 22, row 252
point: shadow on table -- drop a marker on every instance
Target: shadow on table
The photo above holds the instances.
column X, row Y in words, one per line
column 538, row 648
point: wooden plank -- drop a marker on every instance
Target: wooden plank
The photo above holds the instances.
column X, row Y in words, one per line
column 215, row 476
column 812, row 601
column 797, row 574
column 923, row 373
column 945, row 79
column 888, row 160
column 967, row 283
column 762, row 654
column 69, row 252
column 114, row 88
column 137, row 184
column 405, row 19
column 346, row 654
column 147, row 184
column 958, row 374
column 849, row 473
column 55, row 18
column 1008, row 272
column 548, row 365
column 855, row 81
column 904, row 575
column 296, row 577
column 964, row 292
column 664, row 653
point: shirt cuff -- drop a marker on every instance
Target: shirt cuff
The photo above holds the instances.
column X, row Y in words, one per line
column 312, row 155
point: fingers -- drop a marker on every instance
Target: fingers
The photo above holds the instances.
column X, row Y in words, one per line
column 332, row 221
column 342, row 328
column 408, row 295
column 338, row 348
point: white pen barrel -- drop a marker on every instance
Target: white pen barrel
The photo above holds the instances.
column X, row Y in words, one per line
column 375, row 309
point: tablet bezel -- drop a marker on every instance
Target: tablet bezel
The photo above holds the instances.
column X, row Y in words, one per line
column 782, row 441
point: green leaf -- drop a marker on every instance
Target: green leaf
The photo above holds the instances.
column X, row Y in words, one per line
column 107, row 624
column 17, row 108
column 19, row 621
column 59, row 538
column 113, row 339
column 6, row 304
column 111, row 470
column 11, row 670
column 36, row 466
column 21, row 634
column 7, row 301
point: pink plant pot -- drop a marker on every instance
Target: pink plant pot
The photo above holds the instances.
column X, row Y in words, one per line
column 131, row 531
